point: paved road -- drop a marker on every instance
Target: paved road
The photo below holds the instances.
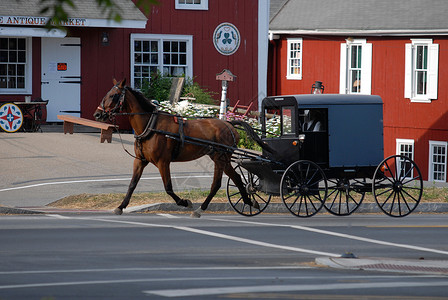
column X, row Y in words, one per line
column 39, row 168
column 146, row 256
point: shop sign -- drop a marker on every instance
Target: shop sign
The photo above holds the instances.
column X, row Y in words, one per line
column 226, row 38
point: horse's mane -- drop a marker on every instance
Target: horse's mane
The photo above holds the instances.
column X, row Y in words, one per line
column 142, row 100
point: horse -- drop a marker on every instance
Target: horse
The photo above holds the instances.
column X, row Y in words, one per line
column 162, row 138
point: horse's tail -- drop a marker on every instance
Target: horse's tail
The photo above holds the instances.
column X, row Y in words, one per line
column 251, row 132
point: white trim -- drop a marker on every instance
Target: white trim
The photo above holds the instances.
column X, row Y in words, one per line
column 366, row 67
column 263, row 29
column 362, row 32
column 399, row 142
column 343, row 70
column 29, row 31
column 290, row 76
column 160, row 38
column 202, row 6
column 28, row 72
column 430, row 162
column 432, row 71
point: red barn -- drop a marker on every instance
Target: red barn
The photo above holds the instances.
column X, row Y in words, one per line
column 396, row 50
column 74, row 69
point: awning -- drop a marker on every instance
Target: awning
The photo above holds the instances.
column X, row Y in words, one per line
column 35, row 32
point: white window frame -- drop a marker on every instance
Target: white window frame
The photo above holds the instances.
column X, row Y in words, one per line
column 366, row 67
column 160, row 38
column 410, row 90
column 297, row 56
column 405, row 142
column 28, row 71
column 431, row 162
column 203, row 5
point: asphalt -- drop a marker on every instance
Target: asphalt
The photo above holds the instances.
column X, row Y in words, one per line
column 31, row 162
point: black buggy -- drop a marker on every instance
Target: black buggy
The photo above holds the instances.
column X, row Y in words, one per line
column 328, row 153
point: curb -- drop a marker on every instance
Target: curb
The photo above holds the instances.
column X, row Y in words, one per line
column 213, row 207
column 280, row 208
column 434, row 267
column 17, row 211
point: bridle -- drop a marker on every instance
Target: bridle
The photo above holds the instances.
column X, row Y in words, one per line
column 118, row 99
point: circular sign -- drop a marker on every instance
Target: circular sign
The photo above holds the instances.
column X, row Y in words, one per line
column 11, row 117
column 226, row 38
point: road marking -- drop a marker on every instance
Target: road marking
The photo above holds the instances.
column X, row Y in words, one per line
column 169, row 216
column 119, row 270
column 219, row 235
column 96, row 180
column 343, row 235
column 290, row 288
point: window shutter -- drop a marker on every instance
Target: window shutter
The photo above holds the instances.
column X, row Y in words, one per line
column 343, row 70
column 408, row 71
column 366, row 69
column 433, row 70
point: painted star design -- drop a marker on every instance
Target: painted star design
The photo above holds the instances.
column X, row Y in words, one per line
column 9, row 117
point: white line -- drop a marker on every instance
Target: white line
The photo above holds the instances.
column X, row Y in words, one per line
column 119, row 270
column 169, row 216
column 290, row 288
column 96, row 180
column 343, row 235
column 222, row 236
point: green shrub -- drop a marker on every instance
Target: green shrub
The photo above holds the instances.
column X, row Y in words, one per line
column 157, row 88
column 202, row 95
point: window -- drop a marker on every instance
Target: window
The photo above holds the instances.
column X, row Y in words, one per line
column 192, row 4
column 15, row 65
column 437, row 161
column 356, row 67
column 421, row 70
column 406, row 148
column 169, row 54
column 294, row 59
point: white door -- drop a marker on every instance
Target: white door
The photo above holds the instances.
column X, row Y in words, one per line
column 61, row 76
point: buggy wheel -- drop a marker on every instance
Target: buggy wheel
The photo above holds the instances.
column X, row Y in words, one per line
column 303, row 188
column 344, row 196
column 397, row 185
column 252, row 185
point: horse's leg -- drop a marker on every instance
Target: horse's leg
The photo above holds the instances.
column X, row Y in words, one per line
column 164, row 170
column 139, row 165
column 216, row 185
column 236, row 178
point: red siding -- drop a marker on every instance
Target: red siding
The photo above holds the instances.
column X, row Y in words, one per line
column 403, row 119
column 99, row 64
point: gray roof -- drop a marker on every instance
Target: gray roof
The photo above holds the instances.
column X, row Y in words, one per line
column 83, row 9
column 376, row 17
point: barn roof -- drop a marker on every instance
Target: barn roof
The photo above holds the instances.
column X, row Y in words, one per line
column 359, row 17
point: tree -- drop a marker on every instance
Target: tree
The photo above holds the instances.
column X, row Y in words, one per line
column 58, row 13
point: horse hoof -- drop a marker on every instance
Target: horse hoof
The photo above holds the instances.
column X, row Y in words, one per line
column 118, row 211
column 196, row 213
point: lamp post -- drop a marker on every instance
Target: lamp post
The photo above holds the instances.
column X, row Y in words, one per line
column 317, row 88
column 224, row 76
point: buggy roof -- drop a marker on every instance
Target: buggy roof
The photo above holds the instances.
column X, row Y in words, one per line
column 310, row 100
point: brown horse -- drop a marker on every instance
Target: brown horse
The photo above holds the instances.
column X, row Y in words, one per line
column 162, row 138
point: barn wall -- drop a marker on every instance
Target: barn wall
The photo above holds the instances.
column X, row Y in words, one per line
column 403, row 119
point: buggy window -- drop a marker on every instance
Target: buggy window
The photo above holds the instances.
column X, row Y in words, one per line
column 280, row 121
column 313, row 120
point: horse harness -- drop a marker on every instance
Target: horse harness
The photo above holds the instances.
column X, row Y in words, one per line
column 150, row 128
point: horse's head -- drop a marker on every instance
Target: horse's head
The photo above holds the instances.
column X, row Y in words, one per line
column 112, row 103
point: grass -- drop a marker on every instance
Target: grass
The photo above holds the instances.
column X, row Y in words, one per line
column 110, row 201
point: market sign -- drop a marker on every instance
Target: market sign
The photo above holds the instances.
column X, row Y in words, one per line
column 226, row 38
column 71, row 22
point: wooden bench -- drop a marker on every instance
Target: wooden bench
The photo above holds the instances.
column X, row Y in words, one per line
column 106, row 129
